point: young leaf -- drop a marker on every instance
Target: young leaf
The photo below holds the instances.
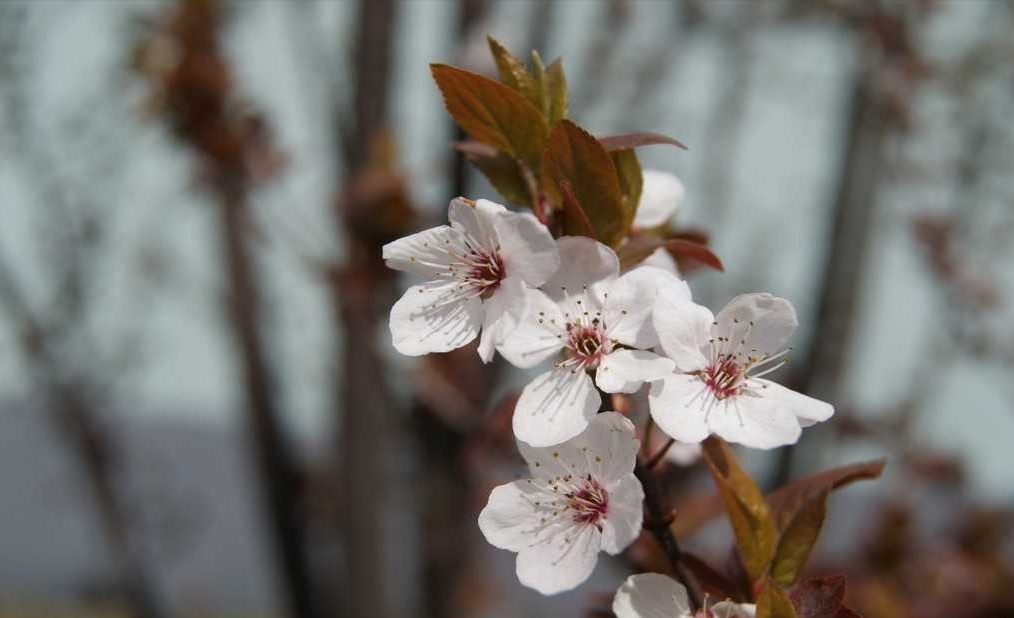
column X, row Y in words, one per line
column 627, row 141
column 745, row 506
column 629, row 171
column 774, row 603
column 501, row 171
column 799, row 510
column 574, row 214
column 695, row 251
column 493, row 114
column 514, row 74
column 819, row 597
column 575, row 156
column 555, row 87
column 797, row 539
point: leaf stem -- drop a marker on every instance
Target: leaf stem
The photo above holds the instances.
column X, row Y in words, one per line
column 657, row 522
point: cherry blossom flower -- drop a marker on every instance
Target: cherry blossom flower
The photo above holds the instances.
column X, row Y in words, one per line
column 651, row 595
column 582, row 498
column 479, row 270
column 719, row 387
column 661, row 194
column 601, row 323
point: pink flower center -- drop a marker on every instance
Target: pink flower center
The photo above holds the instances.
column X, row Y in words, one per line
column 589, row 502
column 586, row 344
column 724, row 378
column 485, row 271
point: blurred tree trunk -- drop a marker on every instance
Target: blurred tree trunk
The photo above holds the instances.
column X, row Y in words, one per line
column 273, row 454
column 370, row 439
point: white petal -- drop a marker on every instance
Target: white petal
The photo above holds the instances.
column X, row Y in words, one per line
column 423, row 253
column 623, row 371
column 676, row 407
column 527, row 248
column 555, row 407
column 683, row 328
column 510, row 517
column 504, row 311
column 562, row 563
column 477, row 223
column 773, row 318
column 622, row 524
column 606, row 449
column 651, row 595
column 629, row 304
column 683, row 454
column 537, row 335
column 728, row 609
column 661, row 195
column 754, row 421
column 434, row 317
column 583, row 262
column 807, row 409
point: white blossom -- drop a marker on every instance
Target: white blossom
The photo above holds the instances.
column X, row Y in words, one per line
column 601, row 323
column 661, row 194
column 582, row 498
column 478, row 272
column 719, row 387
column 651, row 595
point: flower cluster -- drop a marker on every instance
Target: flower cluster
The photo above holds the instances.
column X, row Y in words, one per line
column 502, row 277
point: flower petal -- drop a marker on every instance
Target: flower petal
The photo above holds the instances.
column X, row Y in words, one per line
column 423, row 253
column 677, row 407
column 561, row 563
column 434, row 317
column 757, row 421
column 651, row 595
column 628, row 305
column 584, row 263
column 606, row 449
column 555, row 407
column 773, row 321
column 510, row 516
column 527, row 248
column 807, row 409
column 477, row 222
column 661, row 194
column 537, row 336
column 728, row 609
column 504, row 311
column 661, row 258
column 622, row 524
column 623, row 371
column 683, row 328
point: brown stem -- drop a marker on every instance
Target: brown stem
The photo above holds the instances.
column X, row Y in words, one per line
column 657, row 457
column 657, row 521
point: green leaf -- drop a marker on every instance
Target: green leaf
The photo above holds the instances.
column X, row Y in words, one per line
column 799, row 509
column 501, row 171
column 629, row 171
column 514, row 74
column 576, row 157
column 774, row 603
column 493, row 114
column 798, row 538
column 555, row 87
column 748, row 512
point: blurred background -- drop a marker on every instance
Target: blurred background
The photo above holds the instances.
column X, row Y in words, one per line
column 201, row 414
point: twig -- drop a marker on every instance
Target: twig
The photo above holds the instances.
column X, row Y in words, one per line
column 657, row 457
column 657, row 520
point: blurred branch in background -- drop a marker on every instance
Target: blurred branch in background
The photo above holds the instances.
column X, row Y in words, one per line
column 192, row 90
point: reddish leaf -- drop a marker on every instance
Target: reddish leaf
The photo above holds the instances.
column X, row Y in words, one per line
column 785, row 500
column 493, row 113
column 575, row 216
column 819, row 597
column 745, row 506
column 575, row 156
column 636, row 249
column 774, row 603
column 501, row 171
column 626, row 141
column 694, row 250
column 711, row 581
